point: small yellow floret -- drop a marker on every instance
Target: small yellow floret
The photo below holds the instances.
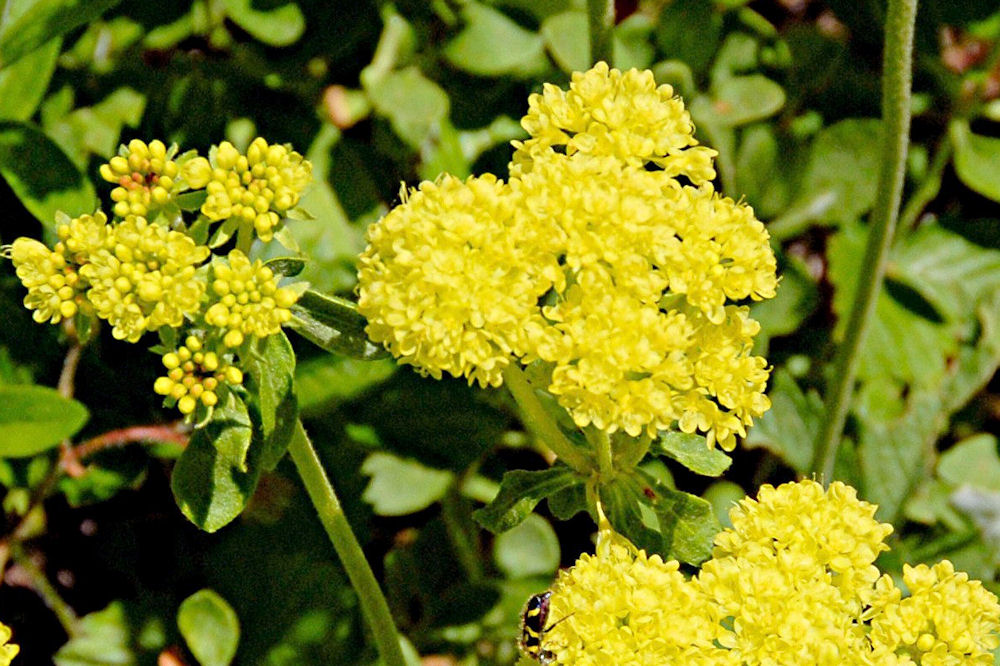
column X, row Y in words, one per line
column 146, row 175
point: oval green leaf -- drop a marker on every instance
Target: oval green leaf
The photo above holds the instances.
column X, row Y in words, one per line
column 530, row 549
column 210, row 628
column 36, row 418
column 977, row 159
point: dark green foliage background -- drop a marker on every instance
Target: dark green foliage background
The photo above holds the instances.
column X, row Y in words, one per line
column 376, row 93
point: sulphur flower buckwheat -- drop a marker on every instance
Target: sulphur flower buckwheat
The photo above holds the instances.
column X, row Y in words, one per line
column 195, row 375
column 146, row 175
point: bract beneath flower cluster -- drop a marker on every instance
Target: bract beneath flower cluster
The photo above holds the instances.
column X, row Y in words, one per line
column 608, row 257
column 792, row 582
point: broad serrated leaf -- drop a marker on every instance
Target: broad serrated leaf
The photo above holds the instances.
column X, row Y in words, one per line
column 36, row 418
column 977, row 159
column 41, row 175
column 789, row 428
column 271, row 384
column 693, row 452
column 43, row 21
column 210, row 628
column 102, row 637
column 530, row 549
column 952, row 273
column 333, row 323
column 491, row 44
column 398, row 487
column 520, row 492
column 280, row 26
column 208, row 485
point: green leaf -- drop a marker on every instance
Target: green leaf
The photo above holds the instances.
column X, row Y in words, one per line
column 36, row 418
column 688, row 525
column 330, row 379
column 41, row 175
column 789, row 428
column 210, row 628
column 568, row 39
column 530, row 549
column 689, row 30
column 977, row 159
column 758, row 173
column 333, row 324
column 414, row 105
column 271, row 374
column 628, row 509
column 840, row 180
column 953, row 274
column 23, row 84
column 280, row 26
column 520, row 492
column 191, row 201
column 45, row 20
column 693, row 452
column 631, row 43
column 491, row 44
column 286, row 266
column 973, row 461
column 739, row 100
column 208, row 485
column 103, row 637
column 399, row 487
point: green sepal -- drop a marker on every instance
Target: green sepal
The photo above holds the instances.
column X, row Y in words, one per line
column 691, row 451
column 191, row 201
column 333, row 324
column 520, row 491
column 286, row 266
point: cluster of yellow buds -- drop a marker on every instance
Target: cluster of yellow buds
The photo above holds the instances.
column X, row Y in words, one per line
column 195, row 375
column 250, row 302
column 793, row 581
column 256, row 189
column 146, row 175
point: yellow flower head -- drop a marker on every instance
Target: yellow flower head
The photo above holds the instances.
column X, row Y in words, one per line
column 257, row 189
column 145, row 279
column 194, row 375
column 947, row 619
column 247, row 299
column 83, row 236
column 53, row 285
column 7, row 650
column 621, row 606
column 445, row 283
column 642, row 329
column 612, row 113
column 146, row 176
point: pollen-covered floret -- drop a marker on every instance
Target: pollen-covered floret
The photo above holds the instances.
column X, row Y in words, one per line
column 146, row 175
column 446, row 283
column 246, row 299
column 621, row 606
column 256, row 189
column 7, row 650
column 196, row 375
column 624, row 115
column 145, row 279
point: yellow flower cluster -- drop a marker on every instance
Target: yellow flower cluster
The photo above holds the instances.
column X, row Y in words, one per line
column 792, row 582
column 7, row 650
column 52, row 282
column 194, row 375
column 249, row 300
column 144, row 278
column 256, row 189
column 595, row 258
column 146, row 175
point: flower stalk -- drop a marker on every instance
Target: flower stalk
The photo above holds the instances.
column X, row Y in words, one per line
column 601, row 21
column 331, row 514
column 896, row 79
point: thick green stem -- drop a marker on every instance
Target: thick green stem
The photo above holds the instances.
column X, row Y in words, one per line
column 897, row 65
column 538, row 421
column 601, row 21
column 323, row 497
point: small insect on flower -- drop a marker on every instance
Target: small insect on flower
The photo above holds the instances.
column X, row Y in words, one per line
column 533, row 619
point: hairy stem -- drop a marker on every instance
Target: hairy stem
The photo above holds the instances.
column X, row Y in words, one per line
column 897, row 65
column 538, row 421
column 324, row 499
column 600, row 21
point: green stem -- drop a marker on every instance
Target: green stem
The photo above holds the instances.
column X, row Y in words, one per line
column 538, row 421
column 461, row 538
column 50, row 596
column 601, row 442
column 929, row 188
column 897, row 65
column 600, row 21
column 373, row 603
